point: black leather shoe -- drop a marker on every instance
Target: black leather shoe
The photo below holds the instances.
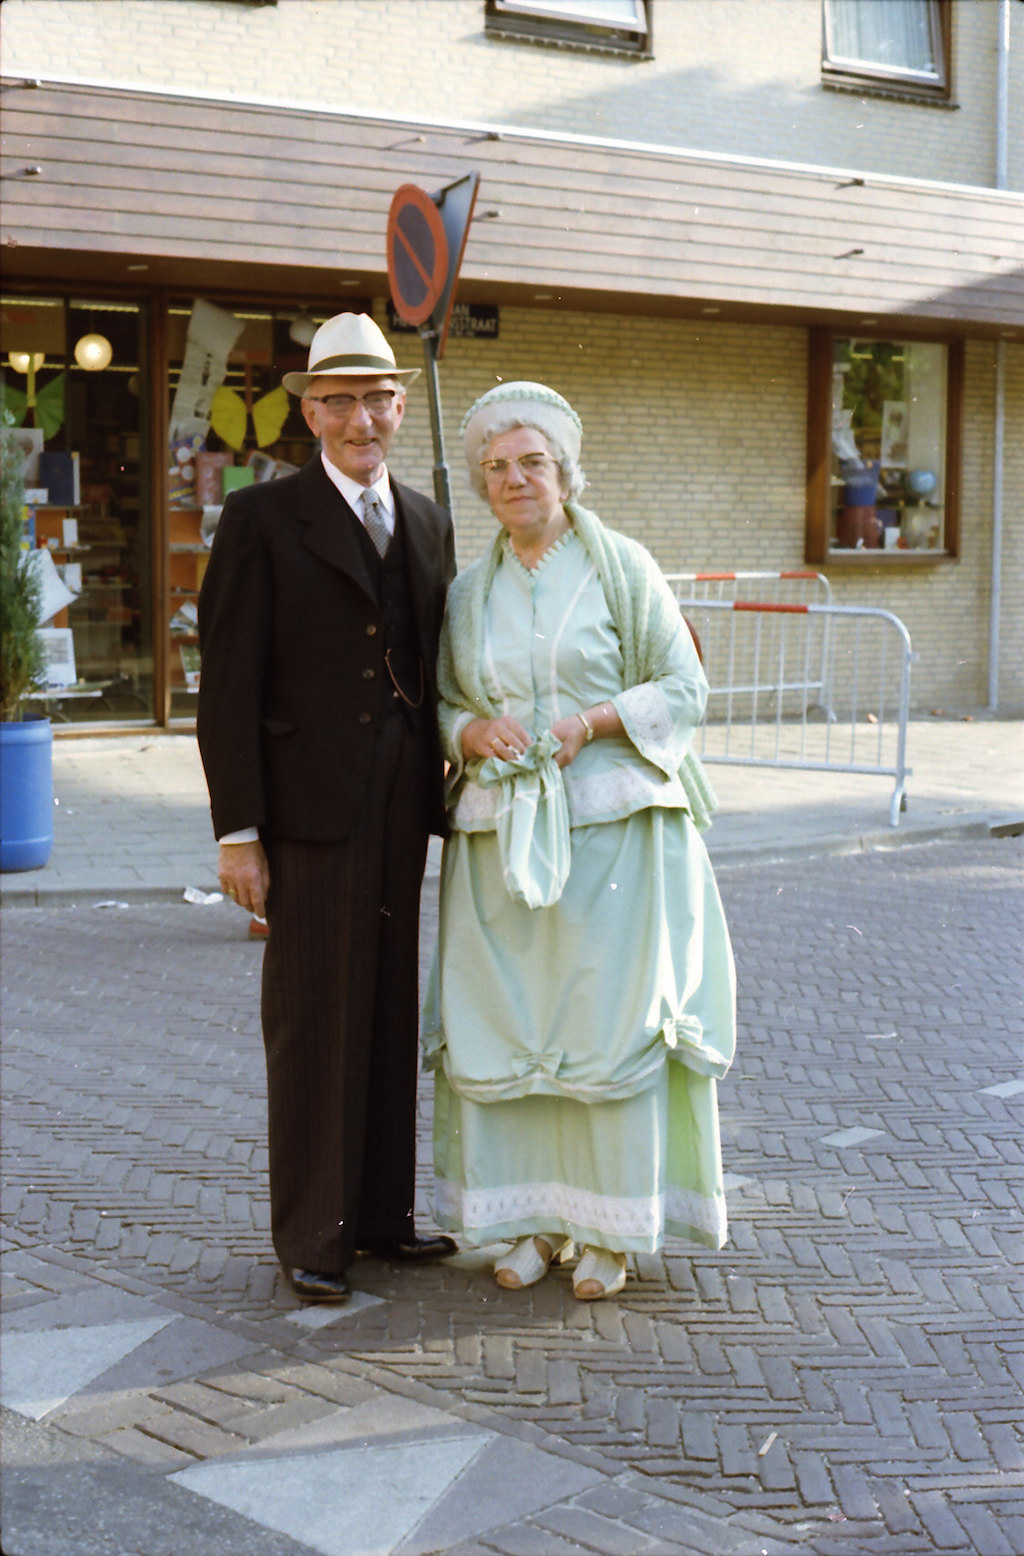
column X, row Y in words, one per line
column 312, row 1286
column 418, row 1251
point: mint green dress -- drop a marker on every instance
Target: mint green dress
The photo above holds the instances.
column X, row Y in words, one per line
column 577, row 1047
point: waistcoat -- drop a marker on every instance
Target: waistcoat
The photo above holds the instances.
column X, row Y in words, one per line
column 400, row 647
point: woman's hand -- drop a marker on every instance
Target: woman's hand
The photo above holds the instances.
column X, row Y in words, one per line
column 504, row 738
column 571, row 733
column 572, row 730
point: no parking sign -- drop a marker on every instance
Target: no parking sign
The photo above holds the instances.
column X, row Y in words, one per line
column 426, row 240
column 417, row 254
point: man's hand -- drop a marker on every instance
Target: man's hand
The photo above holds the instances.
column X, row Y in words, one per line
column 244, row 875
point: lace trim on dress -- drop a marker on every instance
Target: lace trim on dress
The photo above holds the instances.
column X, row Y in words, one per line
column 646, row 714
column 531, row 572
column 477, row 1209
column 701, row 1215
column 606, row 796
column 618, row 792
column 476, row 809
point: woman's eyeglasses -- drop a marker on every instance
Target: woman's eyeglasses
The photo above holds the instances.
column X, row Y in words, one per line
column 377, row 401
column 526, row 464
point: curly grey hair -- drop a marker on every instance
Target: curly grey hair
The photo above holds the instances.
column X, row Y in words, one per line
column 570, row 471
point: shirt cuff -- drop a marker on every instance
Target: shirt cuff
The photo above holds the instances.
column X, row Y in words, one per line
column 245, row 835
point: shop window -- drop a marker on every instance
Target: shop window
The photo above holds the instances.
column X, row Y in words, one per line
column 619, row 26
column 892, row 46
column 883, row 448
column 230, row 423
column 71, row 382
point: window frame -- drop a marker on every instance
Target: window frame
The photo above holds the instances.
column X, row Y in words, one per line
column 818, row 547
column 846, row 74
column 520, row 22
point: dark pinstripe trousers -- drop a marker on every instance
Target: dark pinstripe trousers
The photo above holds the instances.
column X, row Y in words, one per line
column 340, row 1012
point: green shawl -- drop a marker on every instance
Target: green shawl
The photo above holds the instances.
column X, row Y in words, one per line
column 641, row 604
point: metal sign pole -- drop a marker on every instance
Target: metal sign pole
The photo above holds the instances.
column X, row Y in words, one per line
column 442, row 486
column 426, row 238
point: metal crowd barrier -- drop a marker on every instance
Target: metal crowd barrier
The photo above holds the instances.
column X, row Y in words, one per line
column 777, row 588
column 820, row 687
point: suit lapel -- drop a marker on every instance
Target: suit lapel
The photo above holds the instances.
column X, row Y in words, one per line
column 421, row 560
column 329, row 525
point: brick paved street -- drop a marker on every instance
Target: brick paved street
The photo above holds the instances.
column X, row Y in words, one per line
column 844, row 1377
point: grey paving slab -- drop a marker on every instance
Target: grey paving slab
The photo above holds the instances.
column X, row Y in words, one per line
column 84, row 1301
column 320, row 1317
column 42, row 1369
column 65, row 1498
column 506, row 1482
column 179, row 1349
column 346, row 1502
column 383, row 1417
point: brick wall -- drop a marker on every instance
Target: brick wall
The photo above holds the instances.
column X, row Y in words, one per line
column 713, row 85
column 1011, row 658
column 694, row 443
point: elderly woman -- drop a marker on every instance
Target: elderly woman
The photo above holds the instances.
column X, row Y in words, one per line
column 581, row 1002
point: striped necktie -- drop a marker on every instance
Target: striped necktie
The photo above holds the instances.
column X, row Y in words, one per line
column 375, row 524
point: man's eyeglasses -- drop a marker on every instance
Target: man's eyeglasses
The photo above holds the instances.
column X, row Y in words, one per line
column 377, row 401
column 526, row 464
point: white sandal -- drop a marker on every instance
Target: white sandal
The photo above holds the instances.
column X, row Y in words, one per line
column 601, row 1271
column 525, row 1264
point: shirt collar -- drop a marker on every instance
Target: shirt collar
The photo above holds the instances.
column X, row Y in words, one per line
column 353, row 492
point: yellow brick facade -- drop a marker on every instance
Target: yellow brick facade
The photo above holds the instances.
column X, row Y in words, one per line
column 740, row 77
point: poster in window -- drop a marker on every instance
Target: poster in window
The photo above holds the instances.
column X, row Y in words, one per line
column 894, row 433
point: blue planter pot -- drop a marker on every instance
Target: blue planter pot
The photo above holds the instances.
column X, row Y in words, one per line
column 26, row 794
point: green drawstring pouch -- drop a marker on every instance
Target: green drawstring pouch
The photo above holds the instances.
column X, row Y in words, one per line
column 532, row 822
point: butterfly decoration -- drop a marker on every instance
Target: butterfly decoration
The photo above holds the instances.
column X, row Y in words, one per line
column 46, row 405
column 230, row 412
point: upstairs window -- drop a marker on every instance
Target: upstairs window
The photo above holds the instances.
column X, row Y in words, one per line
column 898, row 47
column 616, row 26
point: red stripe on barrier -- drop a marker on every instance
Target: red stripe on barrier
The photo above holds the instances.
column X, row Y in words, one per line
column 761, row 605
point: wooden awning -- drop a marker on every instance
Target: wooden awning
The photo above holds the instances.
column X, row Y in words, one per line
column 144, row 189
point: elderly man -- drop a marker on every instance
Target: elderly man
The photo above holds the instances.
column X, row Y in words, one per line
column 319, row 620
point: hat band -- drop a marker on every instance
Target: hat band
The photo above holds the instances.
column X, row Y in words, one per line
column 353, row 361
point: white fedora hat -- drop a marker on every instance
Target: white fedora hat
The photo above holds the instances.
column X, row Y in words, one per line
column 349, row 346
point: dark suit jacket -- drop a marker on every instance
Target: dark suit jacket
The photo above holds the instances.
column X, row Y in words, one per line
column 290, row 629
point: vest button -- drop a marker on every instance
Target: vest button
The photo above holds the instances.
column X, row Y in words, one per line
column 368, row 675
column 371, row 630
column 364, row 718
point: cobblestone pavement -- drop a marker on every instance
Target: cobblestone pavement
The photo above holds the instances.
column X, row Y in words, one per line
column 844, row 1377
